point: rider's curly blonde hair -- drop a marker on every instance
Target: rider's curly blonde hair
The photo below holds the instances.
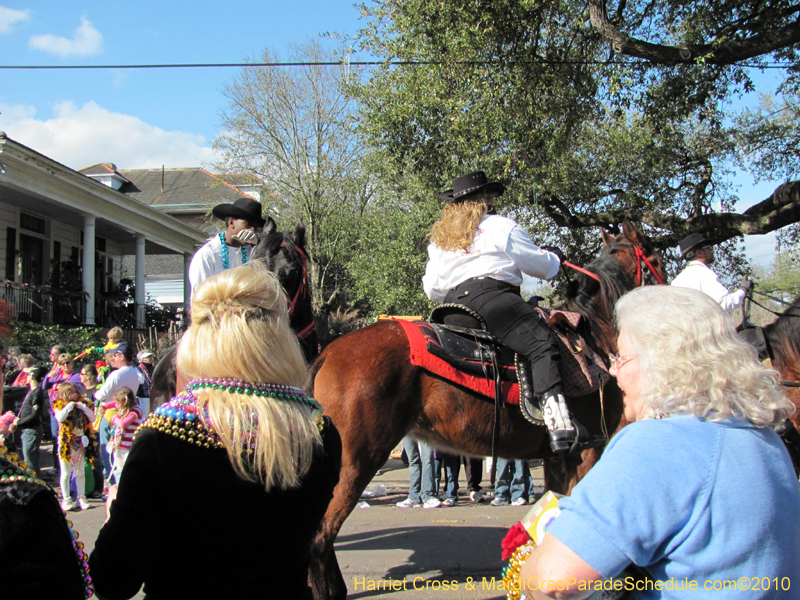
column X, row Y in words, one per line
column 456, row 227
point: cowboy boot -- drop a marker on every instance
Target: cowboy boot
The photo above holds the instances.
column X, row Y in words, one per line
column 561, row 430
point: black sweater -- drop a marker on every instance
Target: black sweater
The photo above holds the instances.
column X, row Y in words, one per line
column 187, row 526
column 32, row 413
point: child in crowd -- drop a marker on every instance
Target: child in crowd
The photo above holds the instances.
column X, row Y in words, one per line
column 114, row 337
column 125, row 422
column 76, row 441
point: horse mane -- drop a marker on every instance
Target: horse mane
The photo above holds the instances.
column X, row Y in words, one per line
column 267, row 248
column 784, row 334
column 595, row 300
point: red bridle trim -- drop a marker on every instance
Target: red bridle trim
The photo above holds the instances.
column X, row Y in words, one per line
column 300, row 289
column 582, row 270
column 639, row 258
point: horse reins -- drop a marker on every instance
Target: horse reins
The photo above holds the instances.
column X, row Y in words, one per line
column 582, row 270
column 301, row 290
column 640, row 258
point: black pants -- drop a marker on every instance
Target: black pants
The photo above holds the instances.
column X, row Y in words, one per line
column 515, row 323
column 473, row 469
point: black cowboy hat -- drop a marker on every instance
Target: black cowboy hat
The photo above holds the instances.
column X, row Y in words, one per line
column 244, row 208
column 470, row 184
column 692, row 241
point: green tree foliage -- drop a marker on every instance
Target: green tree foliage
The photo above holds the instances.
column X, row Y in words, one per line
column 536, row 96
column 387, row 267
column 36, row 339
column 782, row 279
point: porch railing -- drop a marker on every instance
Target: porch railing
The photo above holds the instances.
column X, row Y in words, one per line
column 43, row 304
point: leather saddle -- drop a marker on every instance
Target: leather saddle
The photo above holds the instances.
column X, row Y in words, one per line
column 466, row 343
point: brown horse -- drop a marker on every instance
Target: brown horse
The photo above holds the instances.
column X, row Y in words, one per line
column 783, row 336
column 375, row 396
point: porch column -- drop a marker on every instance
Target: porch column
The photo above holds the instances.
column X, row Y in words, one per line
column 138, row 292
column 187, row 287
column 88, row 267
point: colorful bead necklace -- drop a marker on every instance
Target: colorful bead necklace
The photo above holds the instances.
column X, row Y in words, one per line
column 271, row 390
column 181, row 418
column 225, row 260
column 17, row 472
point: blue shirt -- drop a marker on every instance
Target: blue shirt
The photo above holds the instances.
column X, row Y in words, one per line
column 689, row 498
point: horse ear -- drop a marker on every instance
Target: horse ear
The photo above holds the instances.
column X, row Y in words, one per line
column 631, row 232
column 269, row 227
column 607, row 239
column 299, row 235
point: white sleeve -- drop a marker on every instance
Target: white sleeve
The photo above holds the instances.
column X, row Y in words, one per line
column 727, row 300
column 530, row 258
column 431, row 284
column 61, row 414
column 106, row 388
column 87, row 411
column 732, row 300
column 202, row 266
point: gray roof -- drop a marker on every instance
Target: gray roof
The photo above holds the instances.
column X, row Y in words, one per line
column 182, row 188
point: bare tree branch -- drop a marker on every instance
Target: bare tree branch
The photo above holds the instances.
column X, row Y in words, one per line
column 725, row 52
column 782, row 208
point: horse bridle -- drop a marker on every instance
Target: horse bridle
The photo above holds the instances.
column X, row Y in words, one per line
column 302, row 289
column 640, row 258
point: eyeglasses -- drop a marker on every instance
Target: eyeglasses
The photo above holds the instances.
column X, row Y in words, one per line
column 66, row 362
column 617, row 361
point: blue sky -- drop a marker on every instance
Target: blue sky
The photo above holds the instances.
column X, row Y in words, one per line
column 145, row 117
column 149, row 117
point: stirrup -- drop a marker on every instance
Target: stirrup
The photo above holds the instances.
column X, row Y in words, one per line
column 584, row 440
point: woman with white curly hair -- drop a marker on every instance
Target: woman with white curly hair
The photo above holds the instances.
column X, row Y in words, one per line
column 698, row 490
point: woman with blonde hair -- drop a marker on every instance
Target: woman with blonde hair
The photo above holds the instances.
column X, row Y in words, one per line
column 698, row 490
column 240, row 462
column 477, row 258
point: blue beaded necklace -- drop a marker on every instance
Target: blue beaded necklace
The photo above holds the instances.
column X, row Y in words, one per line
column 225, row 261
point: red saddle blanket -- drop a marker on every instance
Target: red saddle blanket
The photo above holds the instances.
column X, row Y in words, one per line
column 421, row 356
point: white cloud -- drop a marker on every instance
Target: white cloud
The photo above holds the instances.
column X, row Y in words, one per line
column 81, row 137
column 87, row 41
column 9, row 16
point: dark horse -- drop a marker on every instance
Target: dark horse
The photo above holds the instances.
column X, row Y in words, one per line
column 783, row 336
column 374, row 396
column 285, row 255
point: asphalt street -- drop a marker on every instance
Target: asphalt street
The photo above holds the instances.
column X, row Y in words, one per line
column 405, row 553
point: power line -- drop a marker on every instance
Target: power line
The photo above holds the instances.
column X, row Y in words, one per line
column 364, row 63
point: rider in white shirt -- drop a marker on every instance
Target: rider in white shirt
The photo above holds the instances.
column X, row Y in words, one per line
column 477, row 259
column 230, row 248
column 698, row 275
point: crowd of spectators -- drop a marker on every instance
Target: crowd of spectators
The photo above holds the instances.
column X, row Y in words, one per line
column 32, row 393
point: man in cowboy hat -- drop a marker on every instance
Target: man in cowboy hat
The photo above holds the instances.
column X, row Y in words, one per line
column 697, row 274
column 228, row 249
column 477, row 258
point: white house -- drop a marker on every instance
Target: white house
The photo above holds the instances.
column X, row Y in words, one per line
column 53, row 218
